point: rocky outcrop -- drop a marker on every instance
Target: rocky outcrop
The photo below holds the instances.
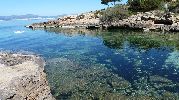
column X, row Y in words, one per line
column 22, row 78
column 86, row 20
column 148, row 21
column 154, row 20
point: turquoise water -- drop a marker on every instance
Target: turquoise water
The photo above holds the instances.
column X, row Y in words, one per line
column 83, row 64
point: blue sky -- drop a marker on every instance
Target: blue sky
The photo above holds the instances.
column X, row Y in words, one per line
column 48, row 7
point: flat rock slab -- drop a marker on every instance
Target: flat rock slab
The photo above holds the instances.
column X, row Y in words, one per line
column 22, row 78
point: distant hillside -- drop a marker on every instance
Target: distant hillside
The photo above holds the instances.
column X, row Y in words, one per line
column 27, row 16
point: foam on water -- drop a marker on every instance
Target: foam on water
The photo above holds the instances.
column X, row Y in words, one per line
column 19, row 32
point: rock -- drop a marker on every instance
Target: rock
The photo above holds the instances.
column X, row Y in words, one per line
column 150, row 21
column 22, row 78
column 138, row 19
column 71, row 21
column 146, row 30
column 154, row 20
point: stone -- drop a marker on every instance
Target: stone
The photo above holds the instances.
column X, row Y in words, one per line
column 22, row 77
column 156, row 20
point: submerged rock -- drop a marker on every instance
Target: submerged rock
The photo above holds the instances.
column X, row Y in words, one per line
column 73, row 80
column 22, row 78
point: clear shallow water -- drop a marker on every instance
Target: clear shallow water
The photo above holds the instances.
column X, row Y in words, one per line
column 84, row 64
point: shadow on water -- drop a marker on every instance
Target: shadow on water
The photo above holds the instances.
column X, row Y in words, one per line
column 148, row 61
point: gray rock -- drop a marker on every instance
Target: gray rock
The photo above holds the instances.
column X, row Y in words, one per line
column 22, row 78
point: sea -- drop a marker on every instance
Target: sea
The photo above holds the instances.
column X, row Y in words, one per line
column 116, row 64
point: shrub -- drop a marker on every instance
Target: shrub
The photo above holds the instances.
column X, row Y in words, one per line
column 80, row 17
column 174, row 7
column 115, row 13
column 144, row 5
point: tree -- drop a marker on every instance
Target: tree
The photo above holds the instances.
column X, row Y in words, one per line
column 147, row 5
column 115, row 1
column 174, row 6
column 144, row 5
column 106, row 2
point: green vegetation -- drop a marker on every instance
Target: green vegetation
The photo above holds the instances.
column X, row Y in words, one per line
column 115, row 13
column 143, row 5
column 146, row 5
column 174, row 7
column 106, row 2
column 122, row 11
column 80, row 17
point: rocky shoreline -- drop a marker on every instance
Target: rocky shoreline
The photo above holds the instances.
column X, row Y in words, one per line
column 22, row 77
column 148, row 21
column 86, row 20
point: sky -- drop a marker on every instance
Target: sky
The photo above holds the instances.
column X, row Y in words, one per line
column 48, row 7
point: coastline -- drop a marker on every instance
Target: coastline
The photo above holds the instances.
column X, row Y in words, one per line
column 87, row 20
column 148, row 21
column 79, row 49
column 122, row 50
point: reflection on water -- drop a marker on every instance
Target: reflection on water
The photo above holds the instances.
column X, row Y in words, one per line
column 126, row 65
column 73, row 31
